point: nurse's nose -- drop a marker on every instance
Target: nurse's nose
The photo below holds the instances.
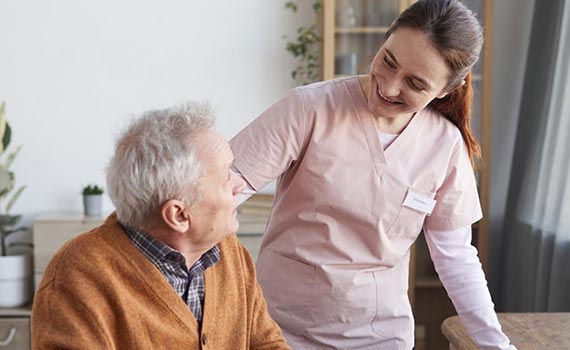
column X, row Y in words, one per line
column 390, row 88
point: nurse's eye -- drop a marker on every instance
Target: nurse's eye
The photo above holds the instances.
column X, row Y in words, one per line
column 389, row 63
column 414, row 85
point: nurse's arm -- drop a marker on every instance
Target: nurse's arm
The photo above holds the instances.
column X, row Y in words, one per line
column 460, row 271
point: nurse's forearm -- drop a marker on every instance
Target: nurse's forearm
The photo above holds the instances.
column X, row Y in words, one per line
column 459, row 269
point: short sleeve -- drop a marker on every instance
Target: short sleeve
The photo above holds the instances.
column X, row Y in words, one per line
column 270, row 144
column 457, row 198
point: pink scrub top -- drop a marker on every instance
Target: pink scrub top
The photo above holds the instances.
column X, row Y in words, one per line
column 334, row 260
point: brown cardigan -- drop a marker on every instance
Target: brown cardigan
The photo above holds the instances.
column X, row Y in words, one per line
column 100, row 292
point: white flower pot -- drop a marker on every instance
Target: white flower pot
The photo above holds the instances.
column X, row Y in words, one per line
column 93, row 204
column 16, row 288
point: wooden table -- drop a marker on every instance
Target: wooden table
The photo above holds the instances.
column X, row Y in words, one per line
column 527, row 331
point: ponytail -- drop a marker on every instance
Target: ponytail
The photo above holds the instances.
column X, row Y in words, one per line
column 456, row 107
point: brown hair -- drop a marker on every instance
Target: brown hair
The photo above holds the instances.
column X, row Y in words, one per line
column 454, row 30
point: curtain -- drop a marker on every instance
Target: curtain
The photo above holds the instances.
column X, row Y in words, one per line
column 535, row 265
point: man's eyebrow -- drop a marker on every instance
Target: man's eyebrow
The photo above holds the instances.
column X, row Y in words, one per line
column 395, row 61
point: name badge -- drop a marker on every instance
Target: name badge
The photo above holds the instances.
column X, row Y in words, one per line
column 419, row 202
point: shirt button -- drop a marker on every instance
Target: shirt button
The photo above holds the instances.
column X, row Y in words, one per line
column 204, row 340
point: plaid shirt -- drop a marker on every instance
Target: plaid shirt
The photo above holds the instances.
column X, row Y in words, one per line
column 188, row 283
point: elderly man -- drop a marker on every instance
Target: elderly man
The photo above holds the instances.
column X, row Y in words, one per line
column 167, row 270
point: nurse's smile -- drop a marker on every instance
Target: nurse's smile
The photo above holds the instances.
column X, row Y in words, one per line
column 382, row 97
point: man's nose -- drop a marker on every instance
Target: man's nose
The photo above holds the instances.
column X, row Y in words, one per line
column 239, row 183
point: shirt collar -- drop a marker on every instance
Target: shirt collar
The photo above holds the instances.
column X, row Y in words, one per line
column 156, row 251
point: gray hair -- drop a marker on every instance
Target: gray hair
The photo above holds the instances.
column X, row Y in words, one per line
column 155, row 161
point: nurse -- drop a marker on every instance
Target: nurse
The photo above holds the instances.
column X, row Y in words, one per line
column 363, row 164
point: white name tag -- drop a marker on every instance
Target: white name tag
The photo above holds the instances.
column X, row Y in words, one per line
column 419, row 202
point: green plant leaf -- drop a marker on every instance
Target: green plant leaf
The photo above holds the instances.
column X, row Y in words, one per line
column 11, row 157
column 9, row 221
column 2, row 125
column 92, row 189
column 19, row 229
column 14, row 198
column 6, row 182
column 317, row 7
column 291, row 5
column 6, row 137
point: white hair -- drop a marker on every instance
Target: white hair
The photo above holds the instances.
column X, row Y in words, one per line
column 155, row 161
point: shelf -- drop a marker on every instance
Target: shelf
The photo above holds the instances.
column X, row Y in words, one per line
column 21, row 311
column 361, row 30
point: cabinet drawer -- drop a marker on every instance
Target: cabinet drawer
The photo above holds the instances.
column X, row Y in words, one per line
column 15, row 333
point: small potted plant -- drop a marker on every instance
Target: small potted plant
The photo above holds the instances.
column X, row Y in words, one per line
column 16, row 269
column 92, row 200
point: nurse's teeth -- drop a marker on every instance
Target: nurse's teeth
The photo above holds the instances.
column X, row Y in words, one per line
column 384, row 97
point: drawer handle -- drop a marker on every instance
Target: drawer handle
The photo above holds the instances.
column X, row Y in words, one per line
column 10, row 337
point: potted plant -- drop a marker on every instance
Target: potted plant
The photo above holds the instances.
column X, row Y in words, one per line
column 306, row 47
column 15, row 270
column 92, row 200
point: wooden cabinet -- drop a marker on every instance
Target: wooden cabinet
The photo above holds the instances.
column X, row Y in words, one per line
column 353, row 30
column 52, row 230
column 15, row 328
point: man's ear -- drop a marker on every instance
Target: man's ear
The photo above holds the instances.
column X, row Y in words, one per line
column 176, row 216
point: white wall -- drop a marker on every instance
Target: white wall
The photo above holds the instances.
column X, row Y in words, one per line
column 512, row 25
column 72, row 72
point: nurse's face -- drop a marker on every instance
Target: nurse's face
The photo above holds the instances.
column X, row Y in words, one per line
column 406, row 74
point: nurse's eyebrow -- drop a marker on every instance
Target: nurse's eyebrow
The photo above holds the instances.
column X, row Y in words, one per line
column 415, row 77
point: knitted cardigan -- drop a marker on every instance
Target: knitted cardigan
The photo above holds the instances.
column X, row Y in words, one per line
column 100, row 292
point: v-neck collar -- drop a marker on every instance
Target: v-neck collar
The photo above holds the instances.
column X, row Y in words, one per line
column 380, row 157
